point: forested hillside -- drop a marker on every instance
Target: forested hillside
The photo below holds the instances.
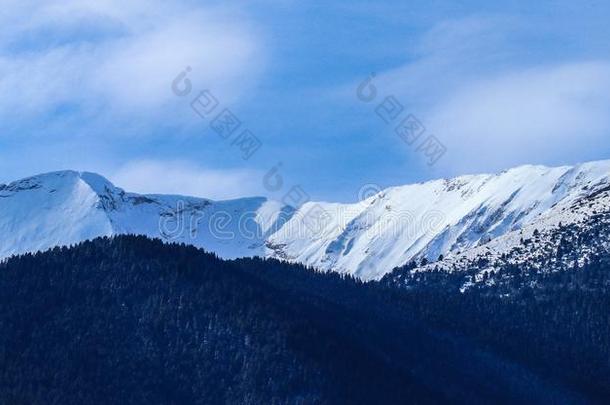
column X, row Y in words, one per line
column 133, row 320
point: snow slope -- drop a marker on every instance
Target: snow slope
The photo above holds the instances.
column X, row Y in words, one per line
column 438, row 217
column 366, row 239
column 581, row 225
column 64, row 208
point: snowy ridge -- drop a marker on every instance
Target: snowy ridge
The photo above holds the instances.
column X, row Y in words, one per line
column 440, row 217
column 582, row 224
column 63, row 208
column 455, row 218
column 576, row 237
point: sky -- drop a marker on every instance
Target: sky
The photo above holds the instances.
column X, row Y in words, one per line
column 108, row 86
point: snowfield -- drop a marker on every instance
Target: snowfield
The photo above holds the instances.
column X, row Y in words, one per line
column 462, row 218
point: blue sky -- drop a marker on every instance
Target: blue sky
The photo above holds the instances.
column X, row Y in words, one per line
column 86, row 85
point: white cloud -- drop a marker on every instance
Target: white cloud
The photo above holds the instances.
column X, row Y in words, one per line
column 117, row 59
column 472, row 87
column 184, row 178
column 528, row 115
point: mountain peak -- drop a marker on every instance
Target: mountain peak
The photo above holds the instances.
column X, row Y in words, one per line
column 53, row 181
column 98, row 183
column 367, row 239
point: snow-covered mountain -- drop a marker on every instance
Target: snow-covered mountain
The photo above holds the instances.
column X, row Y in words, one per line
column 62, row 208
column 367, row 239
column 571, row 236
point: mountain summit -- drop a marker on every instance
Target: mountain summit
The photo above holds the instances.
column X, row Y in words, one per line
column 366, row 239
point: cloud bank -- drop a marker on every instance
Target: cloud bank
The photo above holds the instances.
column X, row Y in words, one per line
column 471, row 83
column 111, row 62
column 184, row 178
